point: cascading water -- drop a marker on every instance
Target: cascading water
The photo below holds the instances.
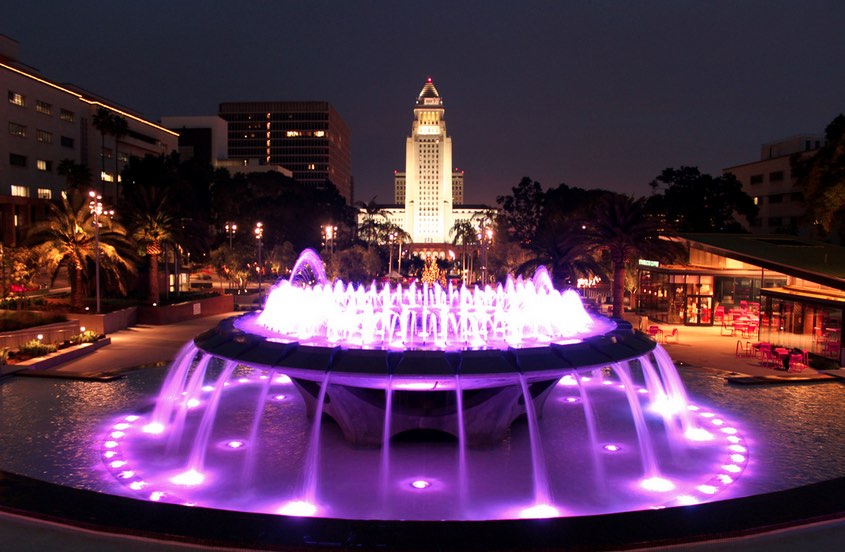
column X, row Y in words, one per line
column 541, row 410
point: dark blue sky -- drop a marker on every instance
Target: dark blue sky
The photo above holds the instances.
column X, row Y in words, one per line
column 593, row 94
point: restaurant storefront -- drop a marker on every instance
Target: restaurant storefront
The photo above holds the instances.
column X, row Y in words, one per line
column 803, row 320
column 696, row 296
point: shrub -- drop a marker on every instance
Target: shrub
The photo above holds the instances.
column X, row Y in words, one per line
column 35, row 348
column 88, row 336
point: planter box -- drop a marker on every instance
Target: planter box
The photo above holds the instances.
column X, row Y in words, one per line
column 54, row 359
column 109, row 322
column 50, row 333
column 180, row 312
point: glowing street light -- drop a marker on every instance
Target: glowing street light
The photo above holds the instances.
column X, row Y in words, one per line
column 330, row 232
column 231, row 227
column 95, row 205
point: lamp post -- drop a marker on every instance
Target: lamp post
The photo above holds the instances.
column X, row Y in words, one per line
column 259, row 233
column 95, row 205
column 330, row 232
column 231, row 227
column 391, row 237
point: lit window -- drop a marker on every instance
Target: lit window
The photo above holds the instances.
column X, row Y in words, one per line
column 17, row 130
column 43, row 107
column 45, row 193
column 319, row 133
column 106, row 177
column 310, row 166
column 293, row 133
column 66, row 115
column 17, row 99
column 44, row 137
column 44, row 165
column 20, row 191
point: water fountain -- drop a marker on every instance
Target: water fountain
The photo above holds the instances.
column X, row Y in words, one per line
column 423, row 403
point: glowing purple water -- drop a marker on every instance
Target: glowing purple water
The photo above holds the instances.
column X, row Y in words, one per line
column 229, row 435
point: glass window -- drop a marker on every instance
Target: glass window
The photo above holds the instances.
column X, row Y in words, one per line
column 776, row 176
column 45, row 193
column 17, row 99
column 20, row 191
column 44, row 165
column 17, row 130
column 44, row 137
column 67, row 142
column 66, row 115
column 17, row 160
column 43, row 107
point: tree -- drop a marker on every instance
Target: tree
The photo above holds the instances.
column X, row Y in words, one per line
column 66, row 238
column 696, row 202
column 77, row 175
column 521, row 212
column 621, row 229
column 375, row 217
column 466, row 234
column 822, row 178
column 148, row 215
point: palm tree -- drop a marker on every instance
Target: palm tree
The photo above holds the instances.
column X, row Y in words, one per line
column 103, row 121
column 119, row 129
column 565, row 251
column 374, row 218
column 622, row 230
column 148, row 213
column 66, row 238
column 466, row 234
column 77, row 175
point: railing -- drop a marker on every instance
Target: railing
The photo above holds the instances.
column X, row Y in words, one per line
column 49, row 334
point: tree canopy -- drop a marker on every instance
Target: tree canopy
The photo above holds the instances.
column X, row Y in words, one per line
column 696, row 202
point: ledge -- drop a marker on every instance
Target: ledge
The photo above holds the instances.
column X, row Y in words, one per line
column 40, row 365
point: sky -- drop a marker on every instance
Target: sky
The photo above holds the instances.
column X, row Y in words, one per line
column 593, row 94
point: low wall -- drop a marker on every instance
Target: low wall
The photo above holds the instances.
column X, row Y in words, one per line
column 179, row 312
column 50, row 333
column 109, row 322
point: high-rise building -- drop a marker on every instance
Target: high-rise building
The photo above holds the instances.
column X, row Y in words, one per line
column 45, row 123
column 429, row 193
column 769, row 181
column 308, row 138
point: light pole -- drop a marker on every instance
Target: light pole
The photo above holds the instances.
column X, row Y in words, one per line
column 96, row 207
column 331, row 233
column 259, row 233
column 231, row 227
column 390, row 239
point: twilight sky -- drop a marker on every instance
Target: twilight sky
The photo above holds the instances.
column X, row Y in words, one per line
column 596, row 94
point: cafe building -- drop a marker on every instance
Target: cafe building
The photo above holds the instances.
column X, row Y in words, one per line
column 790, row 291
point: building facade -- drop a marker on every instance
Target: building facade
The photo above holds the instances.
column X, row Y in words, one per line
column 429, row 193
column 771, row 183
column 308, row 138
column 43, row 123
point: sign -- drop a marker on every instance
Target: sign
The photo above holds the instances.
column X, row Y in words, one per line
column 652, row 264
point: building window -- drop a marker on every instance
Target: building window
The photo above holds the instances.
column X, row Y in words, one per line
column 66, row 115
column 17, row 160
column 44, row 137
column 776, row 176
column 106, row 177
column 775, row 221
column 776, row 198
column 17, row 99
column 67, row 142
column 17, row 130
column 43, row 107
column 44, row 165
column 45, row 193
column 756, row 178
column 20, row 191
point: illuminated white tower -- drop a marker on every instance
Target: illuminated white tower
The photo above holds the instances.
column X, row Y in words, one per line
column 428, row 171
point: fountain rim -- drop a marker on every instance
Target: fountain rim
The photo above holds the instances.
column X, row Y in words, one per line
column 116, row 515
column 476, row 368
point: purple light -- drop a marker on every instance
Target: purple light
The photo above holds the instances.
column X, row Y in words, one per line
column 539, row 511
column 612, row 448
column 657, row 485
column 190, row 478
column 420, row 484
column 235, row 444
column 298, row 508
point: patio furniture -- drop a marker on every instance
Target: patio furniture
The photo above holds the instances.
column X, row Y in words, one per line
column 673, row 335
column 719, row 314
column 743, row 349
column 727, row 329
column 767, row 358
column 654, row 332
column 796, row 363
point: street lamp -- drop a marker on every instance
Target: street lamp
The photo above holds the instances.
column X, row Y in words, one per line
column 95, row 205
column 259, row 233
column 331, row 233
column 390, row 239
column 231, row 227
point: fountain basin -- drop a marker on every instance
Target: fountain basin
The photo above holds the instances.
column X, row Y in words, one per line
column 423, row 382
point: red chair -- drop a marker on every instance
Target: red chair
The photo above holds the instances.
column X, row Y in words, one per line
column 654, row 331
column 796, row 363
column 719, row 314
column 674, row 335
column 767, row 358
